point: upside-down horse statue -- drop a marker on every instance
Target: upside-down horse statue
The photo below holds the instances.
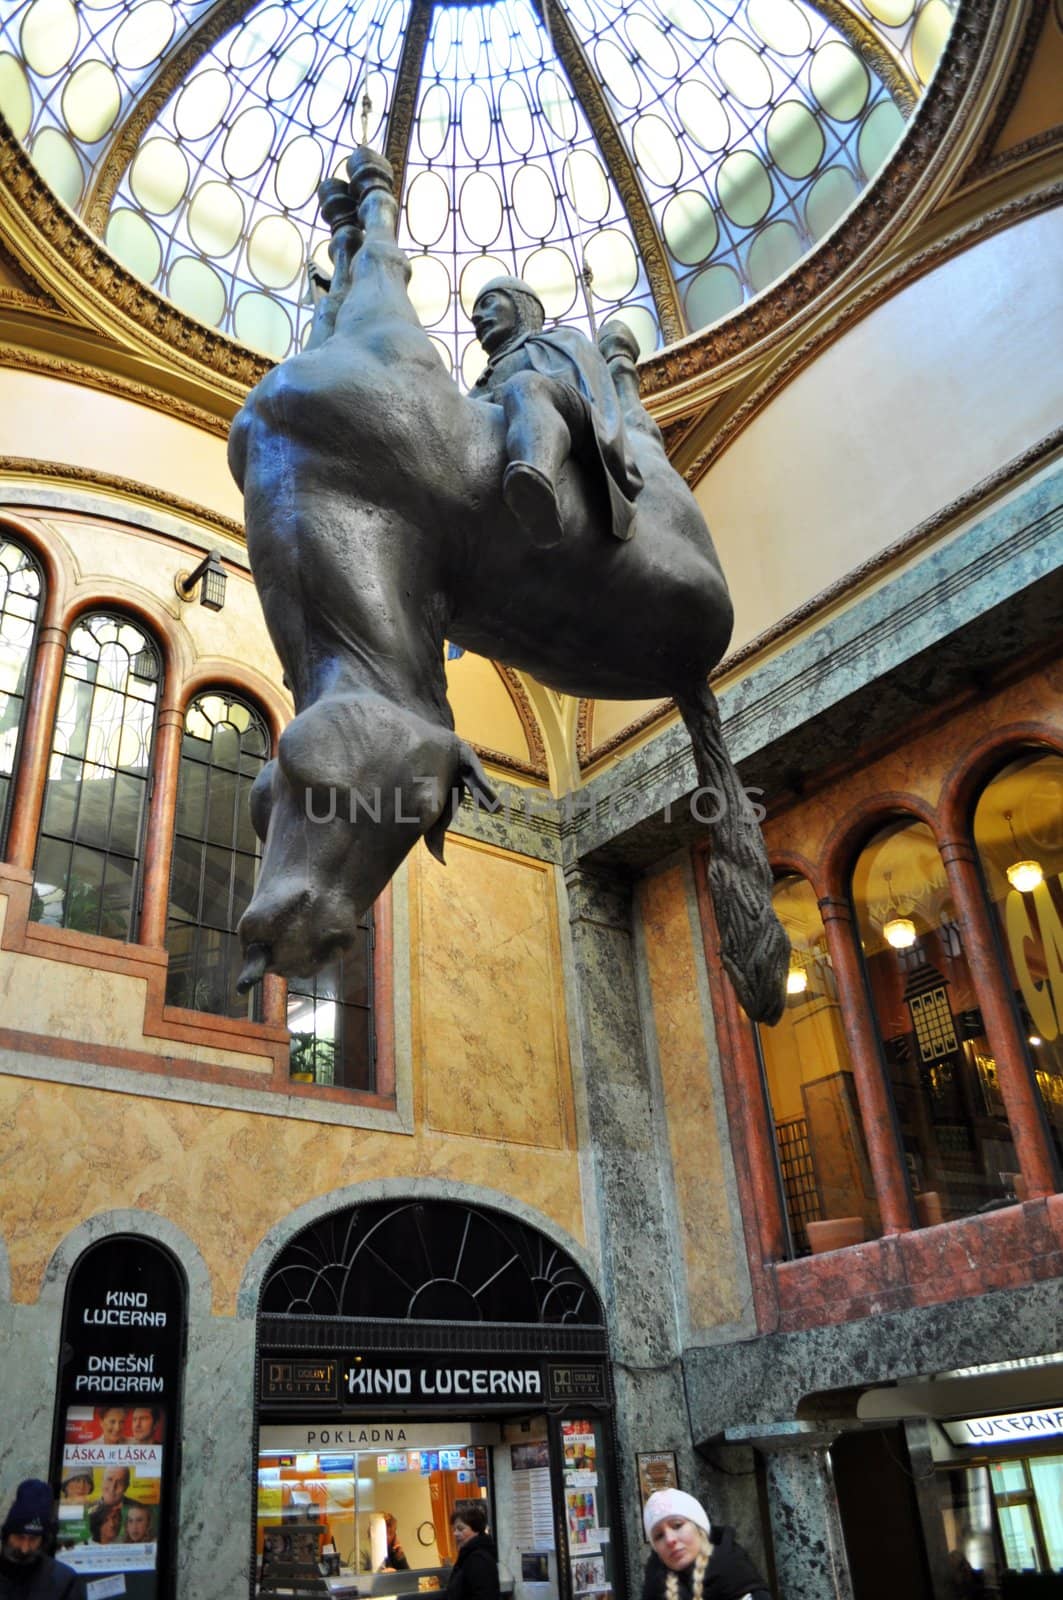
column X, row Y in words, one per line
column 536, row 521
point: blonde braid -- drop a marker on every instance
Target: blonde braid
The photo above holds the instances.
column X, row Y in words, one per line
column 701, row 1562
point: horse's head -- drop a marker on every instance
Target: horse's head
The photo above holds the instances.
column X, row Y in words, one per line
column 356, row 782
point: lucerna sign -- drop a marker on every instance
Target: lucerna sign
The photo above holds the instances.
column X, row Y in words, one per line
column 434, row 1382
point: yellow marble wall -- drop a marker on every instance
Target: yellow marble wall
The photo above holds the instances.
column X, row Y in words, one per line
column 696, row 1120
column 489, row 1021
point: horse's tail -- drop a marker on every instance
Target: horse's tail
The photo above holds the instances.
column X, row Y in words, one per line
column 753, row 945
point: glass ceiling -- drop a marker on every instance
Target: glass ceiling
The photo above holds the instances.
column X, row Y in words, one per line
column 662, row 160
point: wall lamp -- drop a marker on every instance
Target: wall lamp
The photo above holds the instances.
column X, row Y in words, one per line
column 210, row 569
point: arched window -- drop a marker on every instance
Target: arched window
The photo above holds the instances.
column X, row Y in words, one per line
column 21, row 589
column 87, row 870
column 331, row 1019
column 819, row 1136
column 1018, row 828
column 957, row 1142
column 215, row 853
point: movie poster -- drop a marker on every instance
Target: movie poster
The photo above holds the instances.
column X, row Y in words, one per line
column 110, row 1499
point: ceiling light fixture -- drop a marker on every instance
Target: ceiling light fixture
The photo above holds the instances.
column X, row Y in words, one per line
column 898, row 932
column 1026, row 875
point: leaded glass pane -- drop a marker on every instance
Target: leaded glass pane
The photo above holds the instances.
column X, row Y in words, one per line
column 20, row 599
column 96, row 792
column 215, row 854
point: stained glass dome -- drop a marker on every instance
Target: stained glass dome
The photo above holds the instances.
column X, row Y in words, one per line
column 660, row 160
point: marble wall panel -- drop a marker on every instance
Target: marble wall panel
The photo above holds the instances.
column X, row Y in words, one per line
column 696, row 1120
column 488, row 1004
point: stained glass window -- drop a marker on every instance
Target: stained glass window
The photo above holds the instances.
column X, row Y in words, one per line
column 96, row 795
column 711, row 147
column 331, row 1019
column 215, row 854
column 20, row 599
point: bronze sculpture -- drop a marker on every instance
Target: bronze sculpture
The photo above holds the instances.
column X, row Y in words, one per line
column 381, row 520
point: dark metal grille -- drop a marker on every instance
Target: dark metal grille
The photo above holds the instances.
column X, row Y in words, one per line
column 798, row 1178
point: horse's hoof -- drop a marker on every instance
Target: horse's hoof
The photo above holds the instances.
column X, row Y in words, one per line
column 530, row 496
column 367, row 169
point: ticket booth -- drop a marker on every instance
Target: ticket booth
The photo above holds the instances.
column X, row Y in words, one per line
column 415, row 1358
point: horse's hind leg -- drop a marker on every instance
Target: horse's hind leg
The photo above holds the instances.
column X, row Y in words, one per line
column 620, row 349
column 754, row 947
column 380, row 272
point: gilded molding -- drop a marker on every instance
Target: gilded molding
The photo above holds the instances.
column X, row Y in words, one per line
column 982, row 227
column 22, row 359
column 508, row 763
column 621, row 170
column 528, row 720
column 1037, row 13
column 12, row 299
column 908, row 545
column 885, row 61
column 170, row 73
column 1017, row 155
column 407, row 80
column 110, row 483
column 687, row 374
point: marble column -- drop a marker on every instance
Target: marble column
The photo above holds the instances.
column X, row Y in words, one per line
column 806, row 1531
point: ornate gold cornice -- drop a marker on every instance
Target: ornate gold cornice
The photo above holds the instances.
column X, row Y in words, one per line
column 407, row 80
column 886, row 63
column 126, row 488
column 528, row 720
column 22, row 359
column 171, row 72
column 621, row 169
column 883, row 288
column 690, row 373
column 1037, row 13
column 1016, row 155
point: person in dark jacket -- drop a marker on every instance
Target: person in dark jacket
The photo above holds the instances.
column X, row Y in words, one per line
column 395, row 1560
column 474, row 1575
column 692, row 1560
column 27, row 1571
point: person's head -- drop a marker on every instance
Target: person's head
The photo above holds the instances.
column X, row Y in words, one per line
column 503, row 308
column 105, row 1524
column 469, row 1522
column 677, row 1527
column 391, row 1527
column 77, row 1486
column 137, row 1524
column 115, row 1485
column 111, row 1420
column 28, row 1523
column 143, row 1420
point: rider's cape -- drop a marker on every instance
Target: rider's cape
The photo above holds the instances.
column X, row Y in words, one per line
column 570, row 358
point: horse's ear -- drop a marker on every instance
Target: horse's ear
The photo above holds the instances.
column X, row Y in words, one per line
column 471, row 777
column 260, row 800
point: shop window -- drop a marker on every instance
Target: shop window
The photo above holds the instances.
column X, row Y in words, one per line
column 957, row 1143
column 330, row 1017
column 1018, row 828
column 87, row 870
column 215, row 854
column 21, row 592
column 819, row 1136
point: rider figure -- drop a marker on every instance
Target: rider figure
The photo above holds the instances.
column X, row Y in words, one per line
column 558, row 398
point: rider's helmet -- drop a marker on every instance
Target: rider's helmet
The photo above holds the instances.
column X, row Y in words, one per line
column 531, row 313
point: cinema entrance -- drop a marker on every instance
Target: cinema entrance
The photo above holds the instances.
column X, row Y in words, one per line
column 417, row 1360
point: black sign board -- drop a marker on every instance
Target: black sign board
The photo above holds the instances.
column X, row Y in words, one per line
column 474, row 1382
column 285, row 1381
column 576, row 1381
column 114, row 1466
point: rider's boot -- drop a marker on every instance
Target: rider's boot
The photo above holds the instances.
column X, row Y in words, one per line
column 537, row 444
column 531, row 497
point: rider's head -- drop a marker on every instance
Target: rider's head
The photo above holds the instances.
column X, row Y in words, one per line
column 504, row 308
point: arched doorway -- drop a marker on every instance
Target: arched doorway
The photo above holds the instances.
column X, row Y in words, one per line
column 414, row 1357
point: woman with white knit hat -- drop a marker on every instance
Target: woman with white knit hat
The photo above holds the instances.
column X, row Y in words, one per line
column 691, row 1559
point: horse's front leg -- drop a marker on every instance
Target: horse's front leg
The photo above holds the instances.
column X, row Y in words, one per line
column 381, row 271
column 340, row 211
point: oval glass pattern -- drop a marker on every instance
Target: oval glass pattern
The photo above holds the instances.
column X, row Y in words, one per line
column 743, row 73
column 616, row 73
column 702, row 115
column 49, row 36
column 839, row 81
column 556, row 104
column 657, row 151
column 261, row 322
column 473, row 361
column 202, row 103
column 248, row 141
column 275, row 252
column 653, row 47
column 781, row 25
column 159, row 176
column 689, row 227
column 932, row 28
column 429, row 289
column 475, row 122
column 58, row 164
column 16, row 100
column 534, row 201
column 553, row 277
column 828, row 199
column 433, row 121
column 478, row 272
column 442, row 37
column 480, row 208
column 879, row 137
column 613, row 264
column 329, row 92
column 689, row 16
column 298, row 172
column 499, row 37
column 292, row 67
column 744, row 188
column 586, row 185
column 134, row 241
column 795, row 139
column 144, row 34
column 515, row 113
column 641, row 323
column 216, row 218
column 713, row 294
column 427, row 207
column 91, row 101
column 197, row 289
column 893, row 13
column 257, row 37
column 773, row 252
